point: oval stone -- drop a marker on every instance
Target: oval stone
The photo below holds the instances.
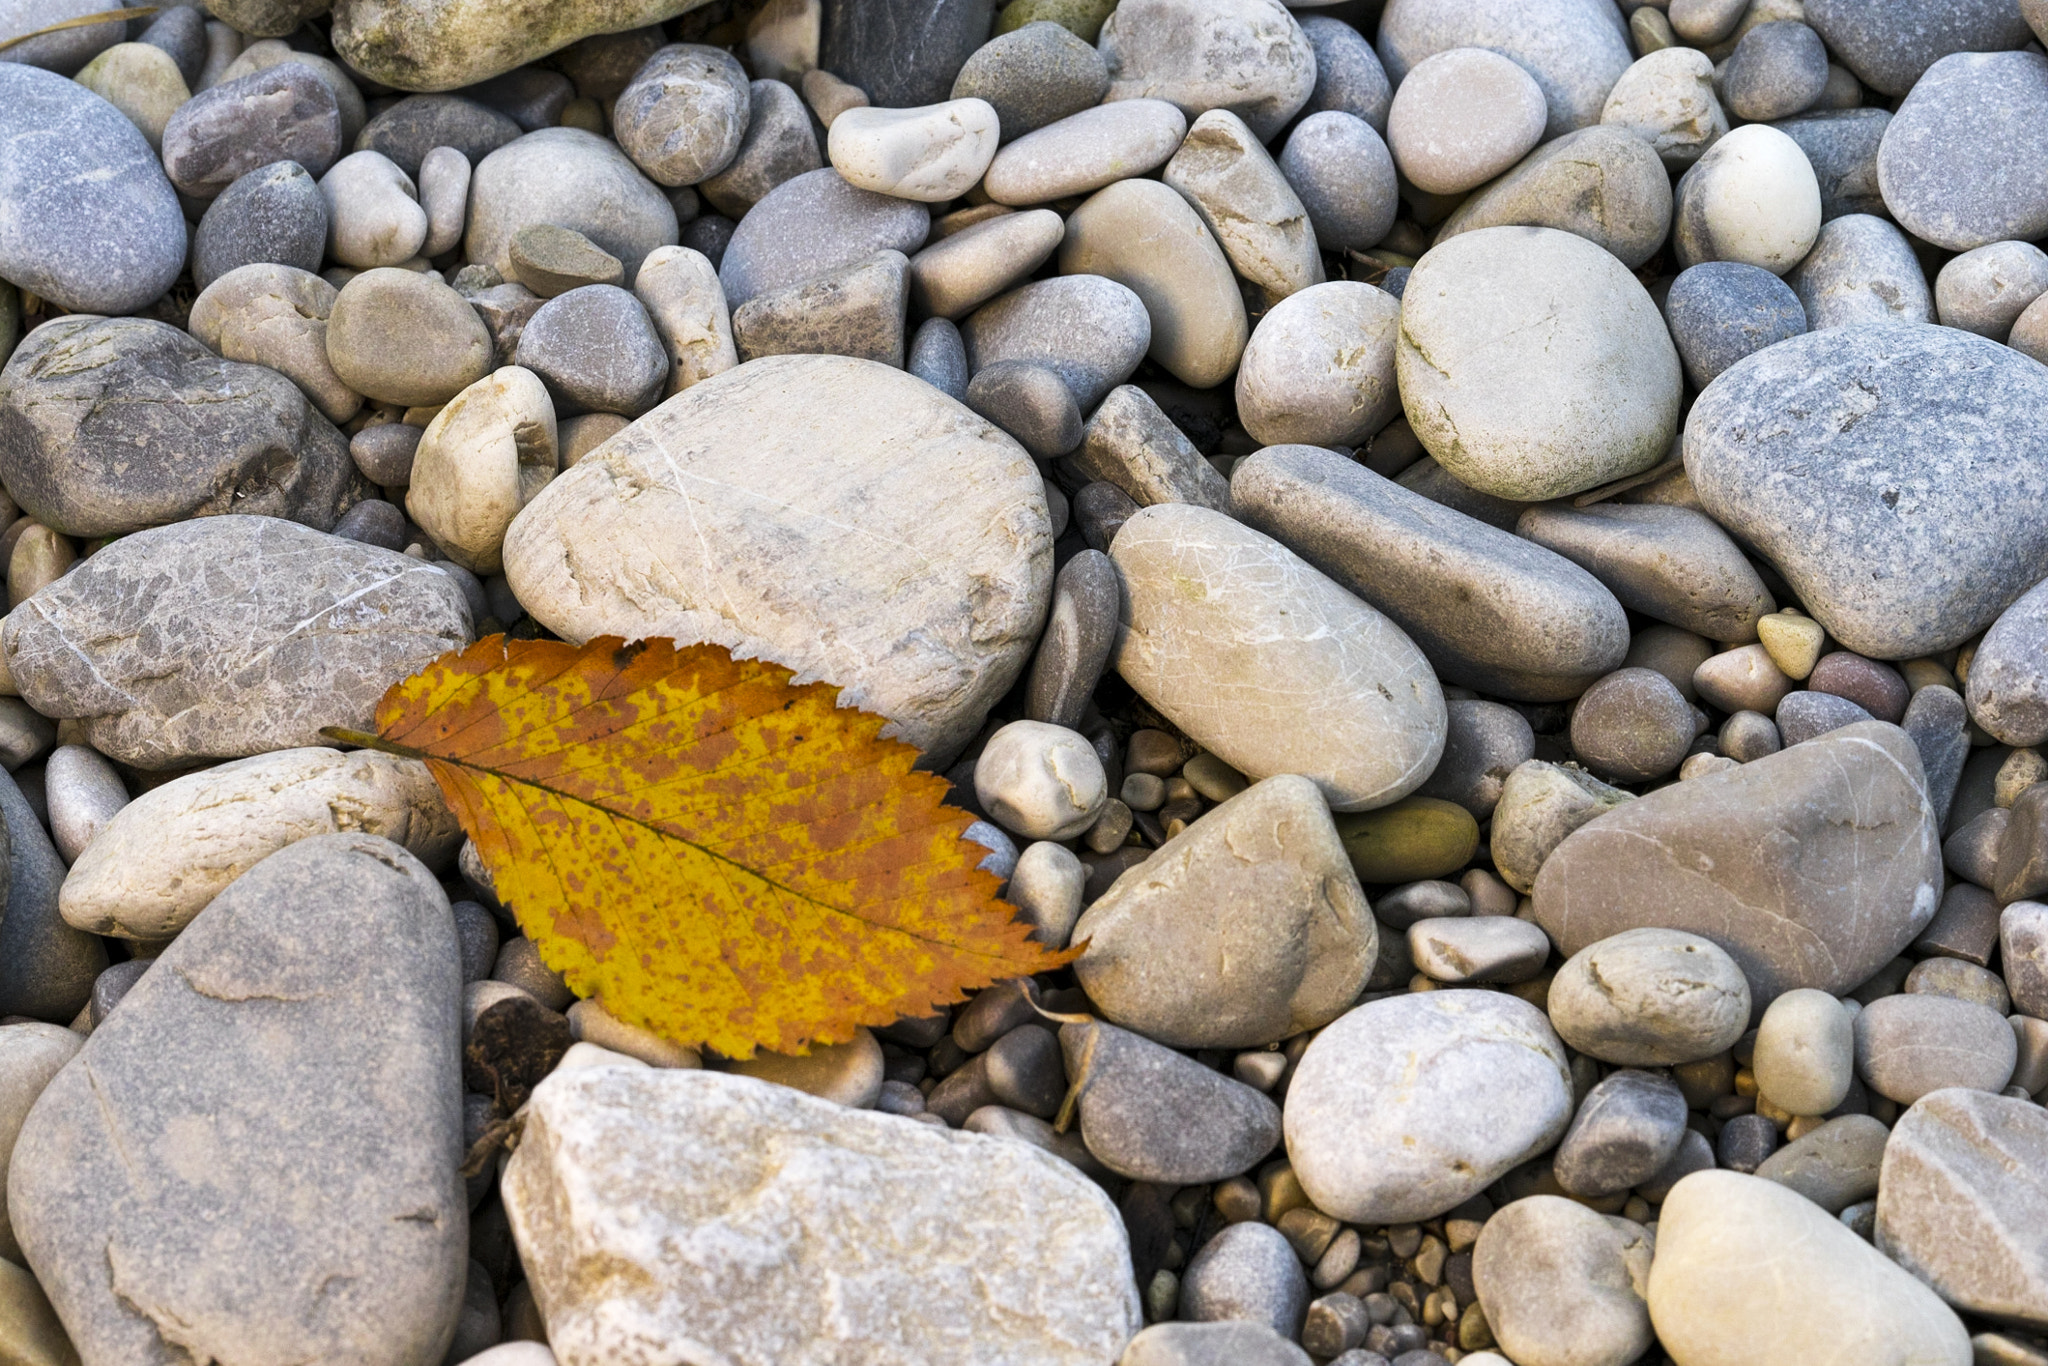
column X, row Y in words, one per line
column 1576, row 49
column 1915, row 534
column 1964, row 161
column 572, row 179
column 1269, row 665
column 835, row 515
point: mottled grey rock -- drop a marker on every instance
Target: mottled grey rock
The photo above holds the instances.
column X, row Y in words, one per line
column 284, row 113
column 1089, row 330
column 274, row 213
column 1841, row 147
column 1985, row 291
column 1576, row 49
column 1889, row 45
column 46, row 966
column 572, row 179
column 813, row 224
column 1910, row 1045
column 1722, row 311
column 684, row 114
column 1033, row 76
column 902, row 53
column 1765, row 860
column 1349, row 77
column 1650, row 998
column 1835, row 1165
column 1960, row 1202
column 1079, row 633
column 1319, row 368
column 1344, row 176
column 1247, row 1273
column 596, row 351
column 1151, row 1114
column 345, row 937
column 1625, row 1130
column 1962, row 163
column 1246, row 928
column 1777, row 70
column 1603, row 183
column 938, row 356
column 779, row 146
column 1483, row 743
column 415, row 125
column 1632, row 726
column 1803, row 715
column 1563, row 1286
column 228, row 636
column 64, row 51
column 1247, row 56
column 1670, row 563
column 1918, row 535
column 222, row 436
column 1501, row 614
column 270, row 52
column 92, row 224
column 1225, row 172
column 1540, row 804
column 1131, row 442
column 2008, row 683
column 1861, row 270
column 1406, row 1107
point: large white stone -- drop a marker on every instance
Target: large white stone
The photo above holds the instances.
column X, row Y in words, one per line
column 682, row 1216
column 835, row 515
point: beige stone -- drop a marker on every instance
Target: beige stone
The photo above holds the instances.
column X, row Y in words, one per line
column 660, row 1212
column 1602, row 183
column 1562, row 1285
column 1667, row 99
column 276, row 315
column 1540, row 804
column 1086, row 151
column 848, row 1074
column 141, row 81
column 1319, row 368
column 591, row 1023
column 1793, row 642
column 30, row 1054
column 1246, row 928
column 960, row 272
column 1269, row 665
column 165, row 855
column 1461, row 117
column 1742, row 1263
column 1145, row 237
column 679, row 288
column 1805, row 1053
column 1834, row 1165
column 833, row 514
column 30, row 1332
column 1253, row 213
column 484, row 457
column 1650, row 998
column 407, row 339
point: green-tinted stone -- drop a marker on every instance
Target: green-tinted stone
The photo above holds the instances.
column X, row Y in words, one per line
column 1415, row 838
column 1083, row 18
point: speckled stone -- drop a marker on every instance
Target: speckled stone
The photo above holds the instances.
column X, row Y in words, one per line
column 1778, row 69
column 1604, row 184
column 283, row 113
column 1722, row 311
column 273, row 214
column 1345, row 178
column 1861, row 270
column 1889, row 45
column 1963, row 162
column 1841, row 147
column 1247, row 56
column 417, row 124
column 1033, row 76
column 1926, row 529
column 1349, row 77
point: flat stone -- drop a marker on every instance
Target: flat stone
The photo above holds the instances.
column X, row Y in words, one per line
column 853, row 310
column 1910, row 1045
column 1802, row 715
column 1764, row 860
column 1247, row 56
column 1246, row 1274
column 1667, row 99
column 954, row 495
column 93, row 225
column 1090, row 331
column 228, row 636
column 1151, row 1114
column 166, row 855
column 1910, row 556
column 1484, row 742
column 1361, row 713
column 572, row 179
column 284, row 113
column 1720, row 312
column 1261, row 886
column 1131, row 442
column 215, row 431
column 1575, row 49
column 682, row 116
column 1143, row 235
column 1032, row 76
column 1406, row 1107
column 1225, row 172
column 1861, row 270
column 1540, row 805
column 1752, row 198
column 1507, row 419
column 551, row 260
column 1741, row 1261
column 274, row 213
column 954, row 276
column 1085, row 151
column 1650, row 998
column 1890, row 46
column 486, row 455
column 1959, row 1200
column 276, row 315
column 469, row 41
column 31, row 1054
column 1494, row 948
column 1029, row 402
column 339, row 937
column 1671, row 563
column 417, row 124
column 1561, row 1285
column 1841, row 147
column 931, row 154
column 1319, row 368
column 1344, row 176
column 1604, row 184
column 903, row 53
column 812, row 224
column 1499, row 613
column 1835, row 1165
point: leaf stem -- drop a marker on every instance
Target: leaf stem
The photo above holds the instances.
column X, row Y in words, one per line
column 365, row 740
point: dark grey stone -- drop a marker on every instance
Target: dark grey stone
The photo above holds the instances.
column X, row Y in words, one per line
column 1939, row 724
column 1490, row 610
column 1100, row 511
column 1803, row 714
column 476, row 933
column 83, row 395
column 903, row 53
column 1749, row 735
column 1031, row 403
column 813, row 224
column 181, row 32
column 710, row 234
column 274, row 213
column 1483, row 743
column 1890, row 43
column 1722, row 311
column 111, row 985
column 1963, row 162
column 417, row 124
column 939, row 357
column 1919, row 532
column 854, row 310
column 282, row 113
column 90, row 224
column 1025, row 1071
column 1841, row 146
column 506, row 309
column 384, row 453
column 1344, row 176
column 1746, row 1141
column 596, row 351
column 1632, row 726
column 476, row 1327
column 779, row 146
column 530, row 96
column 1151, row 1114
column 1091, row 330
column 1965, row 927
column 1246, row 1272
column 1079, row 633
column 1349, row 77
column 297, row 1046
column 1034, row 76
column 1971, row 852
column 1777, row 70
column 1427, row 479
column 228, row 636
column 47, row 968
column 373, row 522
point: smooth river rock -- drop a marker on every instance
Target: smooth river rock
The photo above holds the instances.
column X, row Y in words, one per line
column 1576, row 49
column 1269, row 665
column 460, row 42
column 1915, row 534
column 1812, row 867
column 833, row 514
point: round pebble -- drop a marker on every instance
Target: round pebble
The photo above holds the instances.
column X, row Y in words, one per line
column 1460, row 118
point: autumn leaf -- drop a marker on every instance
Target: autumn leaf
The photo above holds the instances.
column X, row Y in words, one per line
column 722, row 857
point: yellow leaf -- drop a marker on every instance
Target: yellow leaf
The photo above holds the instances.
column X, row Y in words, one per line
column 729, row 860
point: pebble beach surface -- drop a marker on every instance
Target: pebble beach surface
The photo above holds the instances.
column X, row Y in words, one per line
column 1485, row 562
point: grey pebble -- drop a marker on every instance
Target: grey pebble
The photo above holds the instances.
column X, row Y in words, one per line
column 1890, row 44
column 1907, row 1046
column 1079, row 633
column 1749, row 735
column 1091, row 330
column 852, row 310
column 1034, row 75
column 1721, row 311
column 938, row 356
column 1031, row 403
column 181, row 32
column 1804, row 714
column 1631, row 726
column 47, row 968
column 1342, row 172
column 1745, row 1142
column 1132, row 443
column 373, row 522
column 530, row 96
column 1151, row 1114
column 596, row 351
column 274, row 213
column 1483, row 743
column 283, row 113
column 779, row 146
column 1777, row 70
column 1841, row 146
column 1960, row 164
column 384, row 453
column 414, row 126
column 1246, row 1272
column 811, row 224
column 1100, row 511
column 682, row 116
column 1349, row 77
column 1671, row 563
column 1861, row 270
